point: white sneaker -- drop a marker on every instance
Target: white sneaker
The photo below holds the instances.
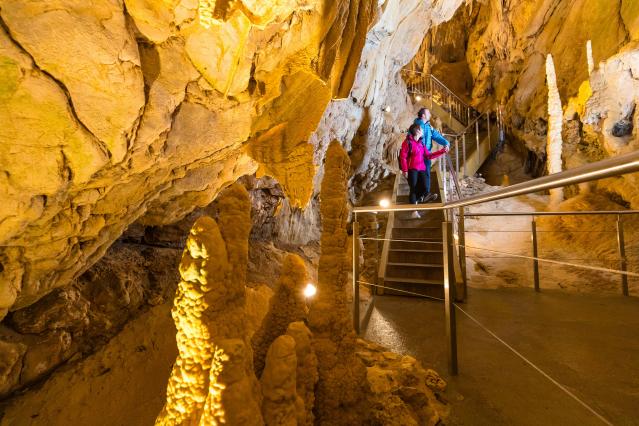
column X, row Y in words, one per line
column 416, row 215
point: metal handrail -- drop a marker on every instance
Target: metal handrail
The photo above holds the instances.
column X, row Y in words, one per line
column 471, row 124
column 557, row 213
column 461, row 101
column 622, row 164
column 619, row 165
column 428, row 84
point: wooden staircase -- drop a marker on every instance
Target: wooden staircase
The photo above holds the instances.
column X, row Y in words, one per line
column 412, row 257
column 413, row 261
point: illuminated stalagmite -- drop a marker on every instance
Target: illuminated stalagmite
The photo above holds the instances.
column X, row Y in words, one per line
column 281, row 402
column 286, row 306
column 212, row 380
column 554, row 143
column 342, row 375
column 307, row 374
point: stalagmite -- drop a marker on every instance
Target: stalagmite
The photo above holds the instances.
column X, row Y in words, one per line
column 554, row 142
column 286, row 306
column 212, row 381
column 591, row 62
column 307, row 374
column 278, row 381
column 342, row 376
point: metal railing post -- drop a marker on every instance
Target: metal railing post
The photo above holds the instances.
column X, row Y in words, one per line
column 356, row 275
column 457, row 155
column 430, row 83
column 622, row 256
column 461, row 231
column 477, row 141
column 488, row 124
column 535, row 255
column 449, row 302
column 464, row 152
column 373, row 290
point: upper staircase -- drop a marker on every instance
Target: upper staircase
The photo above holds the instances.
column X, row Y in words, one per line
column 412, row 257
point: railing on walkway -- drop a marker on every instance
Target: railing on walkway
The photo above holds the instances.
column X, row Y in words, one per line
column 535, row 245
column 433, row 90
column 616, row 166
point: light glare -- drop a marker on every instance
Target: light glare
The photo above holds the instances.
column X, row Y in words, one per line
column 385, row 203
column 310, row 290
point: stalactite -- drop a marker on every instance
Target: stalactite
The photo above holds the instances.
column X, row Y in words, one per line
column 554, row 142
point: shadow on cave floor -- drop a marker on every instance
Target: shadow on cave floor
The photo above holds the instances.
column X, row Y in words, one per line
column 587, row 343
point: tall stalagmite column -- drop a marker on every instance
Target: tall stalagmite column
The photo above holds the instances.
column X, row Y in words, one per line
column 342, row 375
column 554, row 142
column 212, row 381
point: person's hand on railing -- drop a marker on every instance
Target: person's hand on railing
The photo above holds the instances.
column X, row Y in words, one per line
column 447, row 148
column 405, row 174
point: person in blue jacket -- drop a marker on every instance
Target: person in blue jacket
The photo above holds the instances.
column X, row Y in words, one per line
column 428, row 135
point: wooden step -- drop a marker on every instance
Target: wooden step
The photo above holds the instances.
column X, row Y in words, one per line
column 416, row 256
column 421, row 272
column 418, row 281
column 431, row 214
column 416, row 244
column 434, row 233
column 428, row 220
column 422, row 287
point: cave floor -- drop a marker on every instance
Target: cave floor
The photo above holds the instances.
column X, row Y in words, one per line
column 588, row 343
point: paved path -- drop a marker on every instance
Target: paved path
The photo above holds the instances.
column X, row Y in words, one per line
column 589, row 344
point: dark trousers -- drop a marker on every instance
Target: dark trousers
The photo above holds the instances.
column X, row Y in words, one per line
column 419, row 182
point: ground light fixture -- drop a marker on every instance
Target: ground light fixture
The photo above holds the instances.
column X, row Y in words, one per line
column 384, row 202
column 310, row 290
column 387, row 108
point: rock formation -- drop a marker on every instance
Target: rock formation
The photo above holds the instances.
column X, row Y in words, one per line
column 555, row 118
column 285, row 307
column 504, row 45
column 340, row 389
column 142, row 111
column 307, row 374
column 280, row 403
column 212, row 380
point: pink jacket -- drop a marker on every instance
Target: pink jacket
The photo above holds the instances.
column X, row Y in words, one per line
column 418, row 154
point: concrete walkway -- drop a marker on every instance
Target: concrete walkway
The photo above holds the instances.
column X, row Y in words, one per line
column 589, row 344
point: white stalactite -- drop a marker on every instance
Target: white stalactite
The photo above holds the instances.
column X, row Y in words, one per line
column 554, row 143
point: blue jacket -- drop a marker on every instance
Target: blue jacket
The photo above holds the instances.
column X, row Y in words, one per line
column 429, row 133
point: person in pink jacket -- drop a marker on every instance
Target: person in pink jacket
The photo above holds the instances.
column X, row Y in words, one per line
column 412, row 159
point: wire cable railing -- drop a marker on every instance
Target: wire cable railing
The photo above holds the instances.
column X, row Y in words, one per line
column 616, row 166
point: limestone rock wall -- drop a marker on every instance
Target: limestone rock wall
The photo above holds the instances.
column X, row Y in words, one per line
column 505, row 44
column 142, row 111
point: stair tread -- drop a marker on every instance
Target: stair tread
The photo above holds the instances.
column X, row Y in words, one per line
column 417, row 238
column 413, row 281
column 416, row 265
column 417, row 227
column 416, row 250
